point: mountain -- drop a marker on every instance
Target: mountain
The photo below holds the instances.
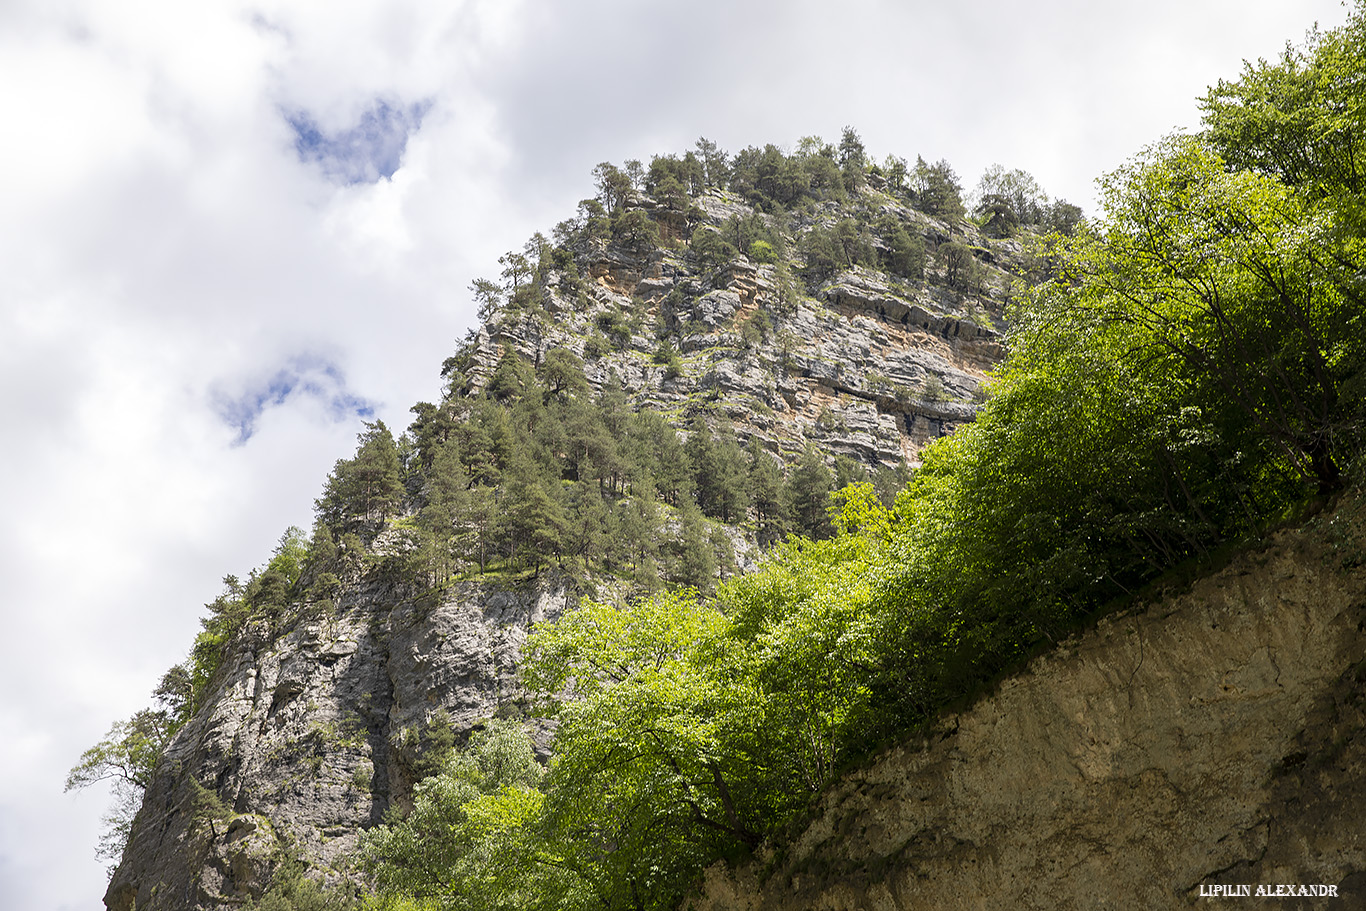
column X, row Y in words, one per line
column 625, row 373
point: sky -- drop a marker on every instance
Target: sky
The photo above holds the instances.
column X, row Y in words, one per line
column 231, row 232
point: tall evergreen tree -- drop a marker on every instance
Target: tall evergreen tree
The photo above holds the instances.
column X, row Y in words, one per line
column 806, row 493
column 766, row 490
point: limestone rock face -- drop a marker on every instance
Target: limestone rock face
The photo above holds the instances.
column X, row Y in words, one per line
column 1217, row 737
column 864, row 366
column 312, row 736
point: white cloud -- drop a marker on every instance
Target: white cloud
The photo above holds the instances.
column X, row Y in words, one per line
column 166, row 254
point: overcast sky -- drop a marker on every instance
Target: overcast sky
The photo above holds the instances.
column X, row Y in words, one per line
column 230, row 232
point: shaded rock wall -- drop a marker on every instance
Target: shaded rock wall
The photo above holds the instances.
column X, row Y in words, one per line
column 309, row 738
column 1216, row 737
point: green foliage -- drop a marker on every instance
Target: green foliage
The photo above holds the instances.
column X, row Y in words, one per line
column 365, row 488
column 755, row 328
column 291, row 890
column 961, row 269
column 936, row 189
column 639, row 795
column 853, row 159
column 128, row 753
column 761, row 251
column 1006, row 200
column 614, row 187
column 775, row 181
column 668, row 357
column 205, row 804
column 766, row 492
column 711, row 249
column 904, row 252
column 718, row 472
column 692, row 559
column 462, row 844
column 1248, row 290
column 635, row 230
column 805, row 494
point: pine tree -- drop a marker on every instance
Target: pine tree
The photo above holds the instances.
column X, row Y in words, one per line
column 693, row 560
column 531, row 518
column 363, row 488
column 766, row 490
column 806, row 492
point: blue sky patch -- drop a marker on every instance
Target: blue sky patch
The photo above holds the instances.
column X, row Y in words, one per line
column 365, row 153
column 303, row 377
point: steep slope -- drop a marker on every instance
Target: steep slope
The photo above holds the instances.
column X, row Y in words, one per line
column 320, row 709
column 868, row 365
column 1213, row 737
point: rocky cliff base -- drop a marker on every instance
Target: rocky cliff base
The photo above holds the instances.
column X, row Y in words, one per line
column 313, row 735
column 1215, row 737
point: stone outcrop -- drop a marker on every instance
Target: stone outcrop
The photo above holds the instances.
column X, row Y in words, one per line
column 865, row 367
column 1217, row 737
column 310, row 737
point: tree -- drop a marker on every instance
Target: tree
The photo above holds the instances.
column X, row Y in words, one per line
column 718, row 471
column 532, row 519
column 853, row 243
column 805, row 494
column 1226, row 276
column 128, row 757
column 589, row 523
column 692, row 560
column 643, row 792
column 1008, row 198
column 463, row 843
column 905, row 252
column 562, row 374
column 517, row 272
column 853, row 158
column 635, row 230
column 937, row 189
column 447, row 513
column 488, row 297
column 511, row 378
column 375, row 470
column 1298, row 119
column 895, row 170
column 366, row 487
column 766, row 487
column 961, row 269
column 1063, row 217
column 821, row 253
column 614, row 187
column 714, row 163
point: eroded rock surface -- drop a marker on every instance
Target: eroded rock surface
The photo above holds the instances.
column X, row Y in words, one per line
column 311, row 737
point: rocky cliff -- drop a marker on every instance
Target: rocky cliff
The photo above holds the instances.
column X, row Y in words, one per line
column 311, row 736
column 314, row 728
column 1213, row 737
column 867, row 364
